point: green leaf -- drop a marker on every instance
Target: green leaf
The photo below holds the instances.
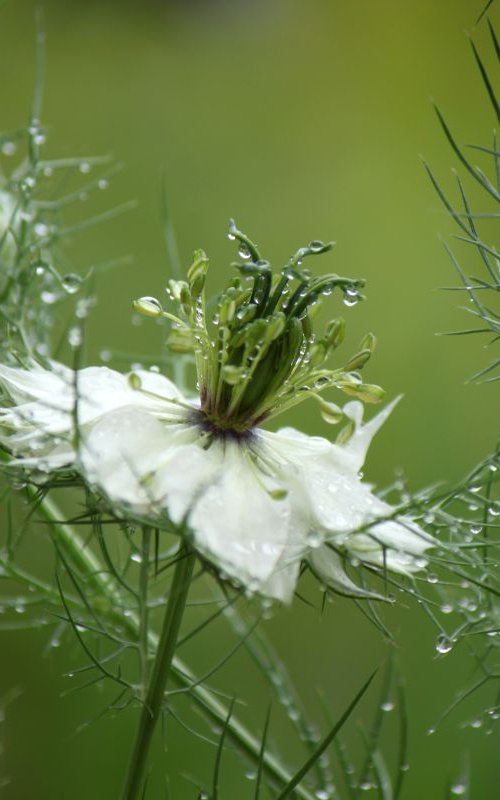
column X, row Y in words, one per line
column 329, row 738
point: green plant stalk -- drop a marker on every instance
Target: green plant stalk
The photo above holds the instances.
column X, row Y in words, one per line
column 152, row 707
column 216, row 711
column 144, row 610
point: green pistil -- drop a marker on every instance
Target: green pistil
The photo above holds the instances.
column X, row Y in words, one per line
column 260, row 356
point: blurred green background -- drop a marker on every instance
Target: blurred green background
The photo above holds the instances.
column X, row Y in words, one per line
column 302, row 120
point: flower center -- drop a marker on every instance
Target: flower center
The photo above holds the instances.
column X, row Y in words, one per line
column 259, row 355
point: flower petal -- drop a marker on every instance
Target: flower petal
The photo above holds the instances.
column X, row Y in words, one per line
column 357, row 446
column 327, row 565
column 237, row 523
column 46, row 404
column 122, row 453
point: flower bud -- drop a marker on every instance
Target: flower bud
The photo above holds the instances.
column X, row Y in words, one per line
column 148, row 307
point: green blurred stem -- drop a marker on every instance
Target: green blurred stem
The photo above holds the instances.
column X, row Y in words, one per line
column 152, row 707
column 144, row 609
column 102, row 583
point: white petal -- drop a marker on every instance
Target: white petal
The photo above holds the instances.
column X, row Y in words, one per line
column 33, row 384
column 328, row 567
column 121, row 455
column 395, row 544
column 185, row 473
column 339, row 502
column 46, row 402
column 358, row 444
column 241, row 527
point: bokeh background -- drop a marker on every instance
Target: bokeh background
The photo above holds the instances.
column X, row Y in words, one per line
column 302, row 120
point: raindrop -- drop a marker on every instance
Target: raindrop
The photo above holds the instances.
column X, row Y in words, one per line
column 75, row 337
column 48, row 172
column 366, row 786
column 105, row 355
column 474, row 488
column 40, row 270
column 9, row 148
column 475, row 529
column 387, row 706
column 231, row 237
column 85, row 167
column 476, row 723
column 103, row 183
column 244, row 252
column 443, row 644
column 136, row 557
column 83, row 307
column 432, row 578
column 316, row 245
column 49, row 297
column 351, row 296
column 458, row 789
column 250, row 775
column 323, row 794
column 446, row 608
column 71, row 283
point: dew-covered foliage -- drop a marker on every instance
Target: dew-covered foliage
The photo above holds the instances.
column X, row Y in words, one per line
column 112, row 578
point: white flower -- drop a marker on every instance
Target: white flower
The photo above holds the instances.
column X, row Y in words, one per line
column 255, row 503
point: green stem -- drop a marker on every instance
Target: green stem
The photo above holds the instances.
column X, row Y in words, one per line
column 144, row 609
column 153, row 704
column 99, row 579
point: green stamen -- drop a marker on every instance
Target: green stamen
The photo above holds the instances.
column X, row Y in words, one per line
column 262, row 356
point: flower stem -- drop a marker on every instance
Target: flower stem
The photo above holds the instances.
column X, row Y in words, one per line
column 144, row 609
column 153, row 703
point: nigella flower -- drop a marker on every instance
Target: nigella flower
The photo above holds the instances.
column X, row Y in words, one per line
column 256, row 504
